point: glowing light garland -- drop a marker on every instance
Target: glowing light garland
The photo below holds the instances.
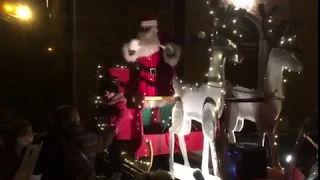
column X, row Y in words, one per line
column 141, row 164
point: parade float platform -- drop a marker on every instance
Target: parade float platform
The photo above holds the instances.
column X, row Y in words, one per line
column 186, row 173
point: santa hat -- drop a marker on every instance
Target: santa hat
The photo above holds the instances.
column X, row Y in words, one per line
column 148, row 20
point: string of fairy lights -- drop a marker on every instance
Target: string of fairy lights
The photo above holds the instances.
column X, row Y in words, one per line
column 98, row 100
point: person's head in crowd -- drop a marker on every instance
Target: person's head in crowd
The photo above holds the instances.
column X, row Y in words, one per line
column 110, row 87
column 22, row 132
column 66, row 116
column 159, row 175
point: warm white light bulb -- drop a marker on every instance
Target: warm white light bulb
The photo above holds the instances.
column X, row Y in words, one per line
column 244, row 4
column 288, row 158
column 23, row 12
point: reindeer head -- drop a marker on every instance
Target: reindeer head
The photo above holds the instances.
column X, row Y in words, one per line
column 285, row 59
column 228, row 49
column 285, row 41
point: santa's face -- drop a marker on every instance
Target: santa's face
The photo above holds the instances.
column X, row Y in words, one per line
column 148, row 35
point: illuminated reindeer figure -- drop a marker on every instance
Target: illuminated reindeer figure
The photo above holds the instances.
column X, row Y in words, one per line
column 203, row 103
column 264, row 114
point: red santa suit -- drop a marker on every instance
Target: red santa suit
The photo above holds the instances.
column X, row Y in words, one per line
column 122, row 119
column 156, row 65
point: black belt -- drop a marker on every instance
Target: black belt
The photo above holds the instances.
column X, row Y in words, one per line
column 151, row 70
column 149, row 83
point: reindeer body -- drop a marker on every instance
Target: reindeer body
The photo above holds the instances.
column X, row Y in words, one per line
column 193, row 99
column 203, row 104
column 264, row 114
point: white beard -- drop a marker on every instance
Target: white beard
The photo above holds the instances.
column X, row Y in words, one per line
column 149, row 44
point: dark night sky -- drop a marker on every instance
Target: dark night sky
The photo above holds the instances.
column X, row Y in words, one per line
column 33, row 64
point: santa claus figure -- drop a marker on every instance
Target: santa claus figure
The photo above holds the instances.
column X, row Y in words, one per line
column 156, row 60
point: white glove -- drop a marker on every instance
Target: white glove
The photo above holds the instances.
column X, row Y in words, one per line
column 134, row 45
column 169, row 50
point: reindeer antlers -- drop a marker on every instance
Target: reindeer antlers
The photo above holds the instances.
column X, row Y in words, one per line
column 263, row 13
column 227, row 22
column 280, row 35
column 284, row 35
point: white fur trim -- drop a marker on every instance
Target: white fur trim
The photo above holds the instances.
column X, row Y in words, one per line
column 172, row 60
column 148, row 50
column 127, row 57
column 149, row 23
column 134, row 44
column 142, row 51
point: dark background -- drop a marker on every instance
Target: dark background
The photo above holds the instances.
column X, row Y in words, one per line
column 36, row 81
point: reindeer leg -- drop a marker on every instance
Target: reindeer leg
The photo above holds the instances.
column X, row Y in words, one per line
column 261, row 133
column 183, row 148
column 233, row 121
column 177, row 125
column 273, row 151
column 212, row 143
column 208, row 120
column 240, row 125
column 205, row 156
column 171, row 149
column 262, row 139
column 232, row 137
column 214, row 159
